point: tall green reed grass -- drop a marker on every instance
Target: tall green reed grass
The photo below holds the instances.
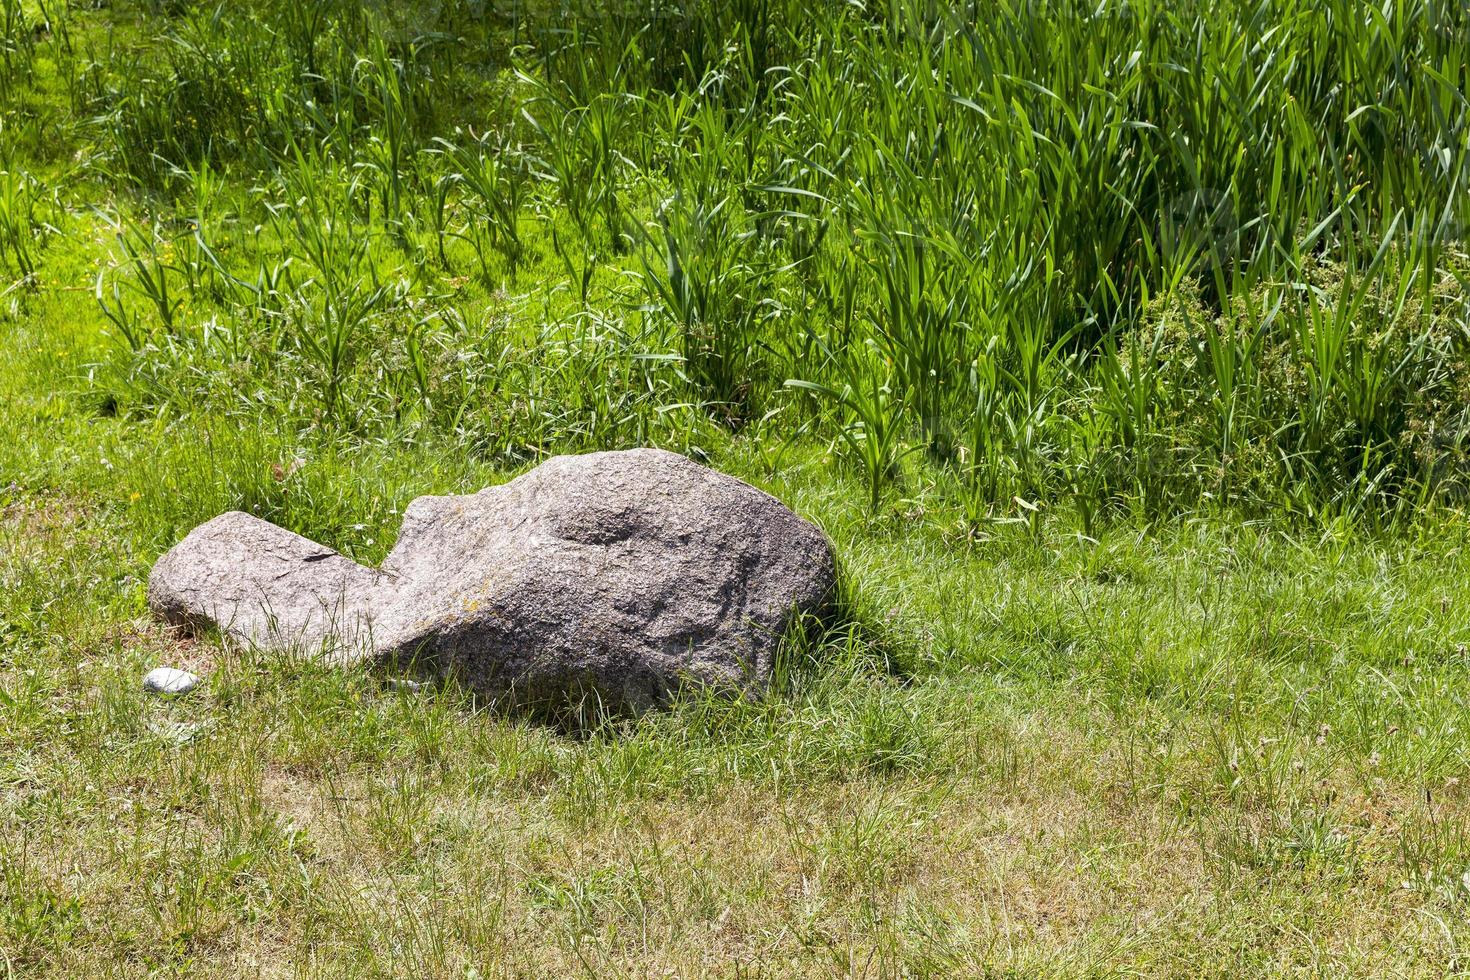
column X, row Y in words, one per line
column 1141, row 256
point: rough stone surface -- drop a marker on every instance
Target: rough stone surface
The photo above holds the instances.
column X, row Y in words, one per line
column 266, row 586
column 169, row 680
column 617, row 575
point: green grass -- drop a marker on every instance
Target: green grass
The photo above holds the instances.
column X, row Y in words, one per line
column 1120, row 349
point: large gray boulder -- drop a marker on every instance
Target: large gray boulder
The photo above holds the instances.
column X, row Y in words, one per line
column 616, row 575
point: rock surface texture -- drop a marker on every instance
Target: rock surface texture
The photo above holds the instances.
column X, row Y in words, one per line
column 616, row 575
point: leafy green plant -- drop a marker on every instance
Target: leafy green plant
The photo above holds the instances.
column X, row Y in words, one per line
column 869, row 418
column 578, row 147
column 714, row 289
column 145, row 272
column 491, row 178
column 337, row 291
column 20, row 227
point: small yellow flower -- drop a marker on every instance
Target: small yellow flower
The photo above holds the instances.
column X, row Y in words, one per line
column 134, row 497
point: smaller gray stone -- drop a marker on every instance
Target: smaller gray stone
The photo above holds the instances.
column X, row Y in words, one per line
column 169, row 680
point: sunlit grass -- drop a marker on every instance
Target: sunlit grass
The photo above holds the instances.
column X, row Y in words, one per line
column 1121, row 349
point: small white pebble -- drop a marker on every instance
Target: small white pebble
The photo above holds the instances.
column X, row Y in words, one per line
column 169, row 680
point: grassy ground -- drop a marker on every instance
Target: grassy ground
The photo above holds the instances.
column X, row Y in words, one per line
column 1155, row 644
column 1200, row 748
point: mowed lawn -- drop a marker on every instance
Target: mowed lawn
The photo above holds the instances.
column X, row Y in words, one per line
column 1198, row 748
